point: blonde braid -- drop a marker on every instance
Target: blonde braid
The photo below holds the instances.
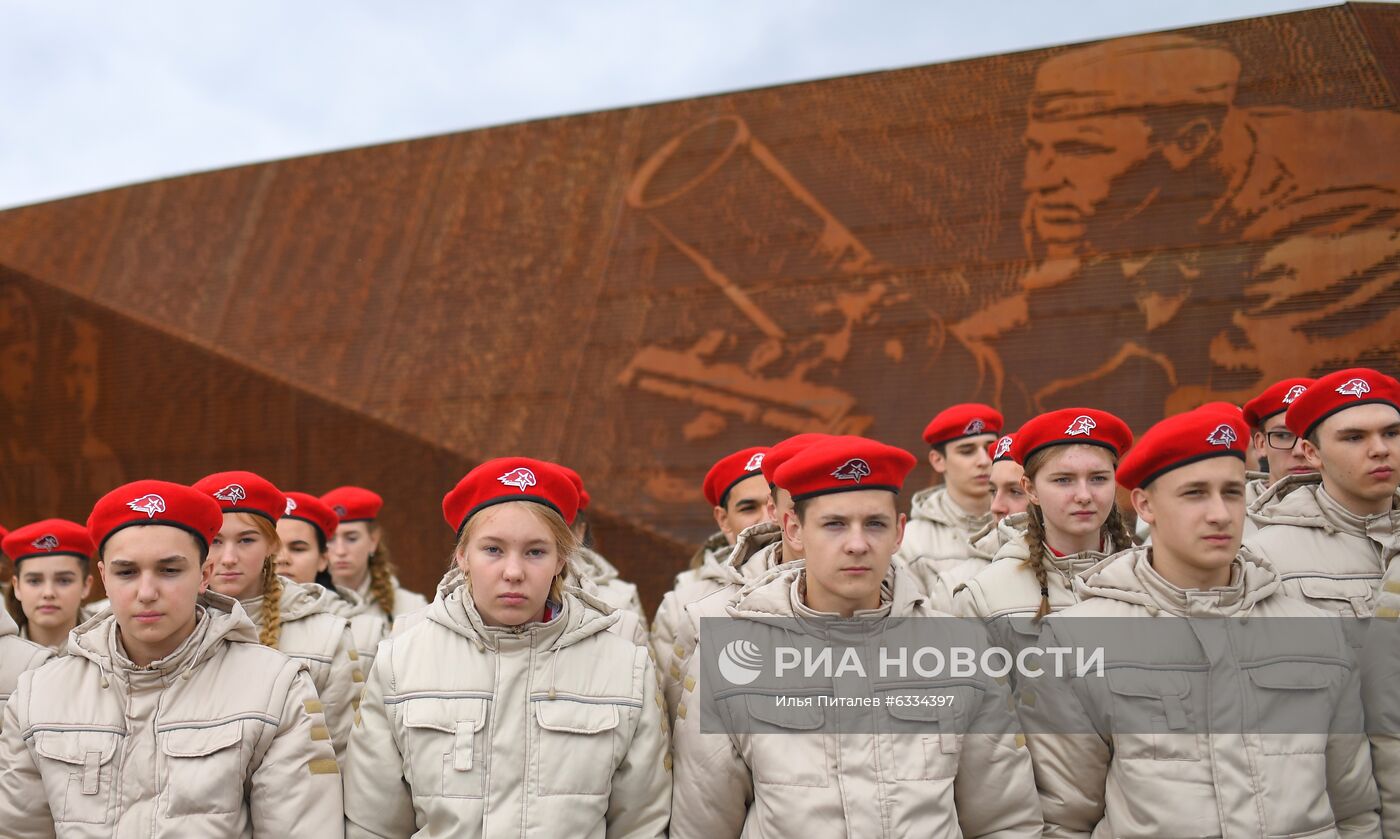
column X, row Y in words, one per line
column 381, row 576
column 1115, row 531
column 1035, row 542
column 271, row 632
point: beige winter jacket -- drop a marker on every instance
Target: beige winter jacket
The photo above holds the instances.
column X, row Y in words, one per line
column 16, row 656
column 608, row 586
column 314, row 635
column 222, row 738
column 758, row 548
column 814, row 785
column 712, row 550
column 937, row 541
column 368, row 624
column 1007, row 595
column 987, row 541
column 405, row 601
column 1258, row 780
column 1255, row 485
column 544, row 730
column 1323, row 553
column 1380, row 685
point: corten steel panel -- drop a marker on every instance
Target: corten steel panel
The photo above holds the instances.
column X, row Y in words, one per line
column 1142, row 225
column 94, row 400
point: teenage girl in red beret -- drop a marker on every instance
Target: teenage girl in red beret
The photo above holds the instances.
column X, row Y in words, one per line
column 52, row 576
column 360, row 561
column 509, row 708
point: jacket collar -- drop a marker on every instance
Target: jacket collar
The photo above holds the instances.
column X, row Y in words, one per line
column 936, row 505
column 217, row 619
column 778, row 595
column 1130, row 578
column 581, row 615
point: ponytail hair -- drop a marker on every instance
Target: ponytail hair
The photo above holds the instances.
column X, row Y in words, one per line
column 381, row 574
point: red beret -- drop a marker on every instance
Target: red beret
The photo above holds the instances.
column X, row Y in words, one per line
column 510, row 479
column 1274, row 400
column 843, row 464
column 966, row 420
column 312, row 510
column 244, row 492
column 50, row 536
column 1001, row 449
column 1208, row 431
column 577, row 480
column 354, row 503
column 784, row 451
column 1337, row 392
column 730, row 470
column 1068, row 426
column 156, row 502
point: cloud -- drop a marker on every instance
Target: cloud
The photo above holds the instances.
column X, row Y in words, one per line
column 101, row 94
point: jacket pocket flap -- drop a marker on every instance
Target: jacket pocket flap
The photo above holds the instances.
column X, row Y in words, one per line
column 198, row 742
column 1323, row 588
column 74, row 746
column 575, row 717
column 798, row 717
column 444, row 714
column 1292, row 675
column 1148, row 684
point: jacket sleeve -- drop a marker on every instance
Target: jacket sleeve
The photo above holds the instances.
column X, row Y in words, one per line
column 663, row 643
column 295, row 788
column 378, row 800
column 1380, row 693
column 1070, row 760
column 994, row 788
column 342, row 692
column 714, row 785
column 965, row 602
column 640, row 801
column 24, row 808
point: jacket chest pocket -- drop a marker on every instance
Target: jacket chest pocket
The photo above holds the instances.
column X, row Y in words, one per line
column 1152, row 716
column 1350, row 598
column 78, row 768
column 1293, row 705
column 925, row 732
column 577, row 750
column 776, row 755
column 203, row 769
column 446, row 753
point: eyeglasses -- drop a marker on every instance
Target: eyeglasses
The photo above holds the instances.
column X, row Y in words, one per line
column 1282, row 439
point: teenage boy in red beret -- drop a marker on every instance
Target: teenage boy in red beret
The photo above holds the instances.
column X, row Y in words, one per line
column 760, row 548
column 736, row 502
column 168, row 718
column 943, row 519
column 816, row 784
column 1332, row 535
column 1281, row 449
column 1300, row 765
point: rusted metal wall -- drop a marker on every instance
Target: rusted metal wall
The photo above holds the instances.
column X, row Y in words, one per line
column 1141, row 225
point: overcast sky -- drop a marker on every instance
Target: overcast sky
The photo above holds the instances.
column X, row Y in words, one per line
column 99, row 93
